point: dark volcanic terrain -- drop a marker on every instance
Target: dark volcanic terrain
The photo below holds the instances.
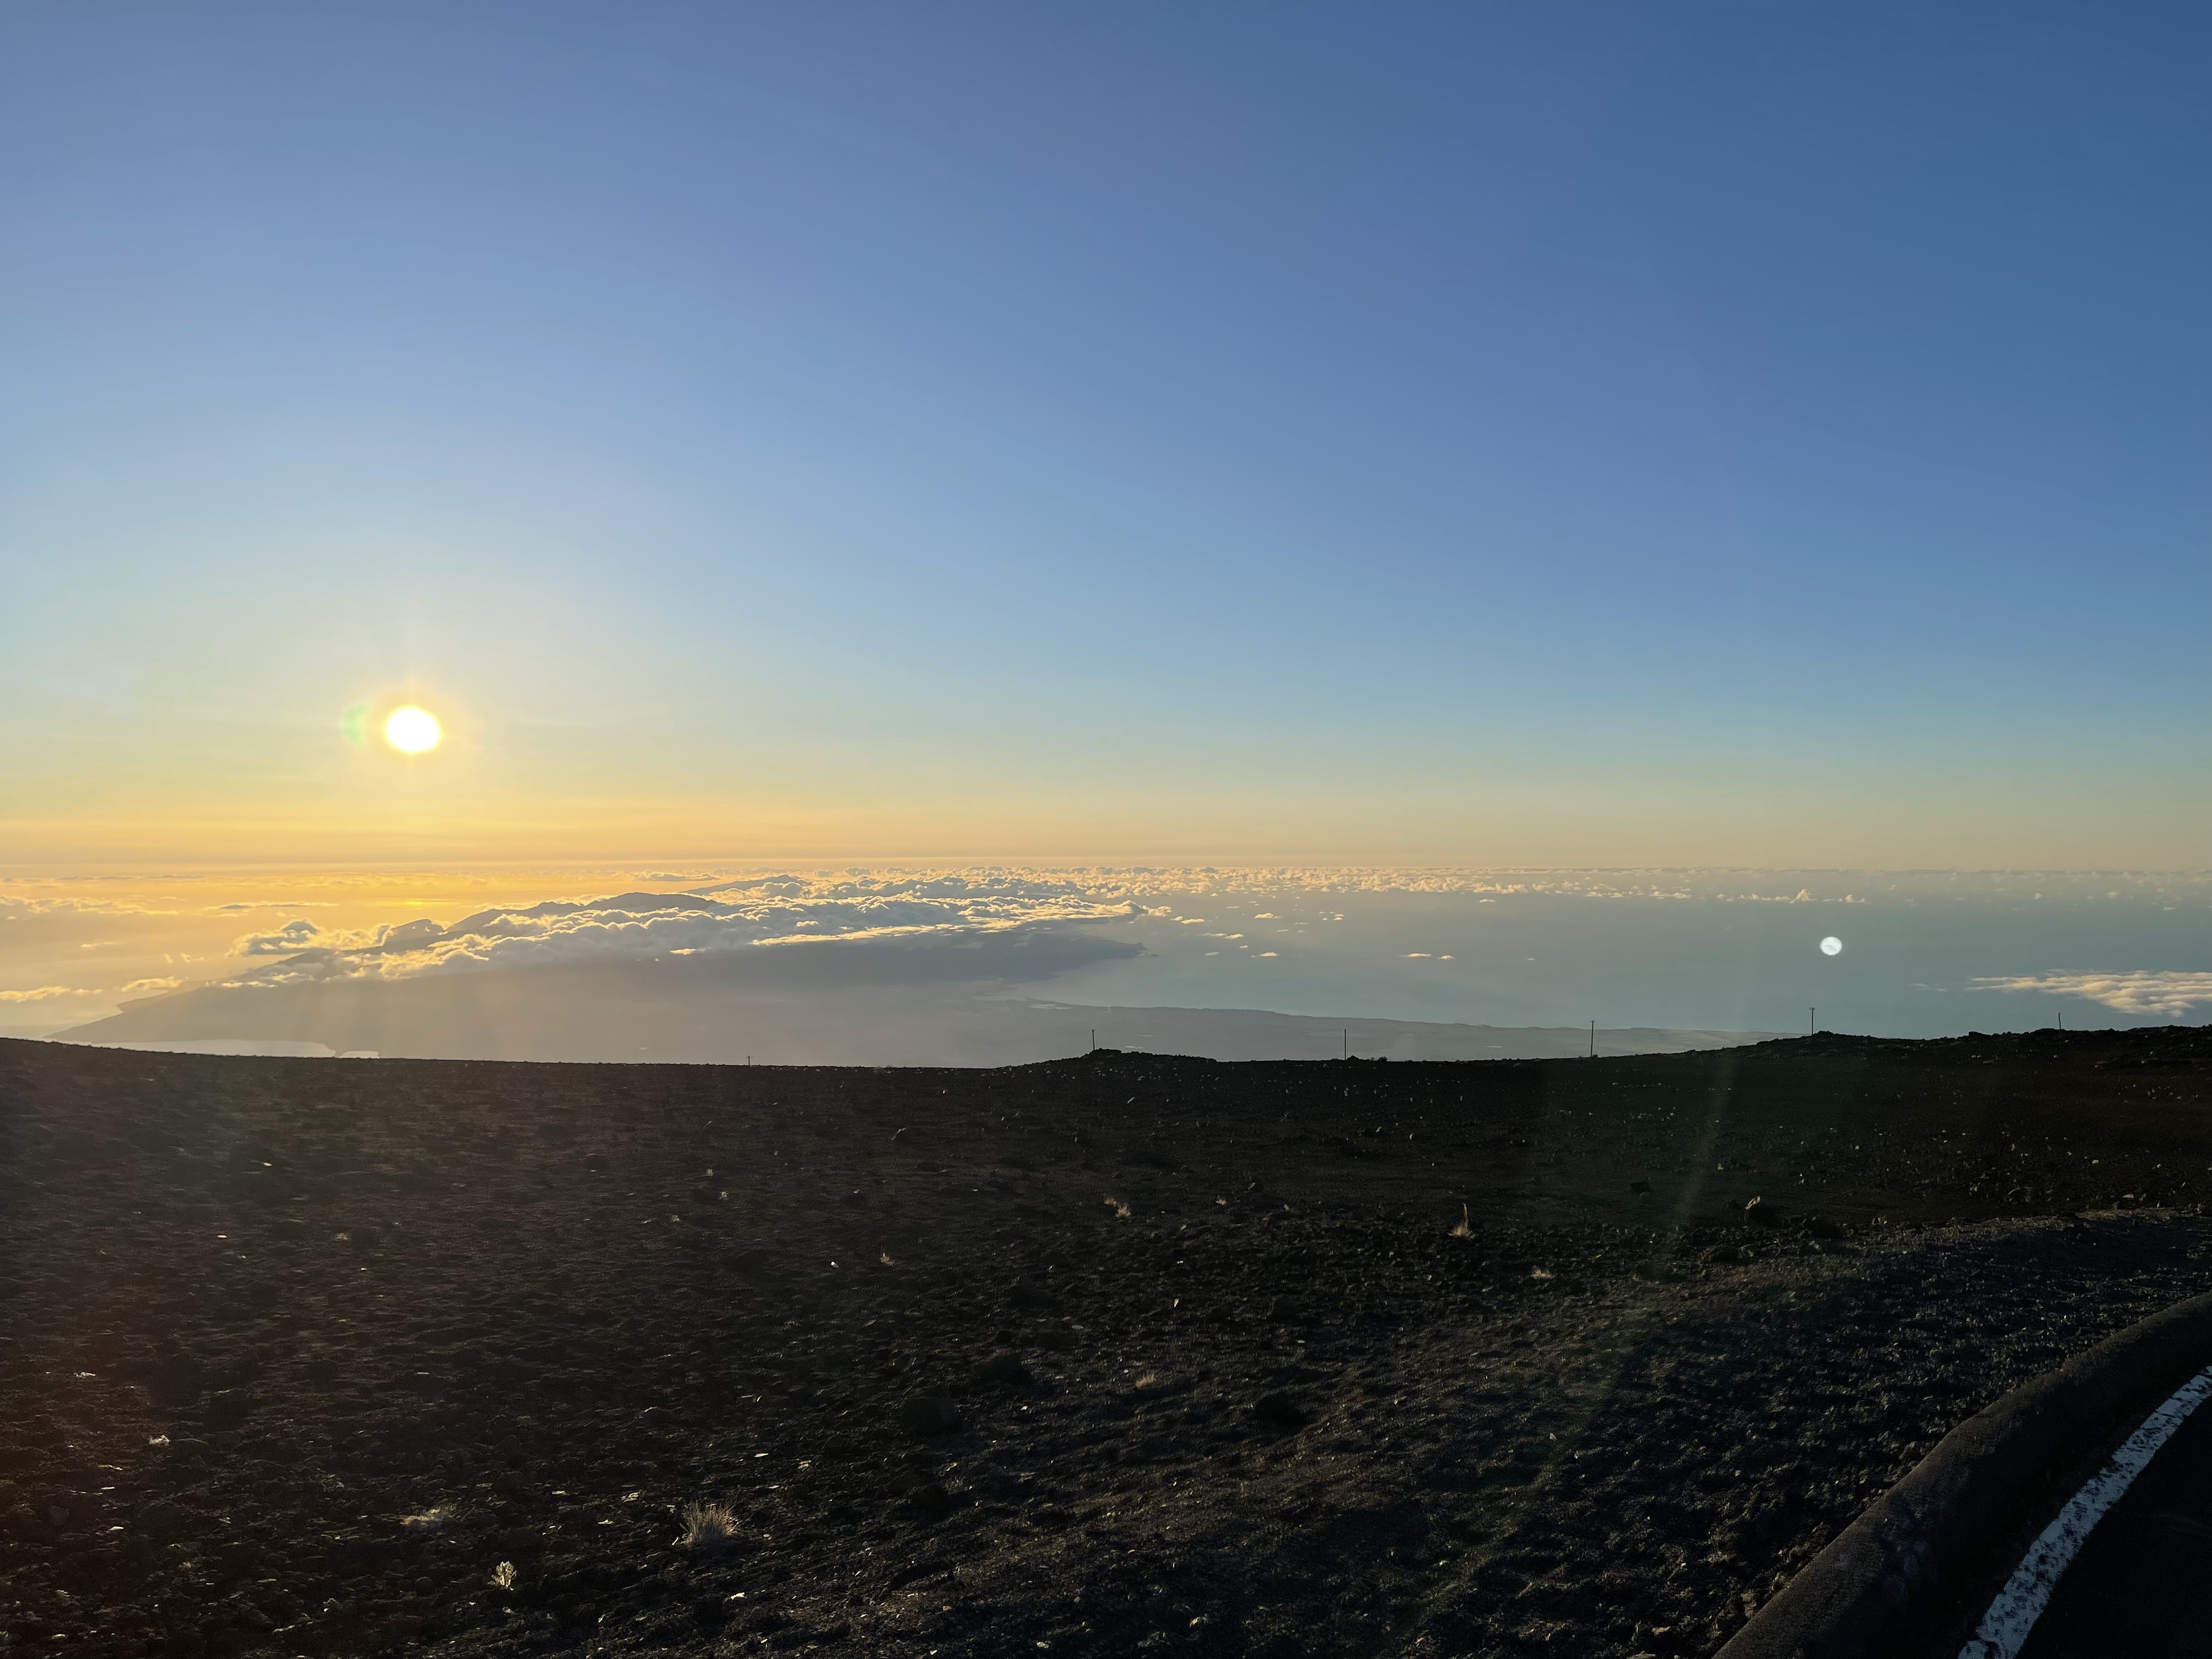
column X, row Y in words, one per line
column 1123, row 1355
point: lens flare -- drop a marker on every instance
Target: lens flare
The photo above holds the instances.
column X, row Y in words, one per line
column 1832, row 946
column 412, row 731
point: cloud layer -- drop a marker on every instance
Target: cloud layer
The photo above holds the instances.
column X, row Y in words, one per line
column 1139, row 884
column 2171, row 995
column 773, row 913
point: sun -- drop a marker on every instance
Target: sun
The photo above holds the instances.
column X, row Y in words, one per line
column 412, row 731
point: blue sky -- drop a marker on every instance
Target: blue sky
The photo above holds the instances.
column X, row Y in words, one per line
column 1772, row 434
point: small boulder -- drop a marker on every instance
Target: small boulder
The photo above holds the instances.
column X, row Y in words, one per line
column 229, row 1407
column 1280, row 1415
column 930, row 1500
column 1003, row 1369
column 1760, row 1213
column 928, row 1414
column 172, row 1379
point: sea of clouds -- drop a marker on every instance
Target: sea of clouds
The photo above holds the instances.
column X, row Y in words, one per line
column 753, row 914
column 721, row 915
column 893, row 909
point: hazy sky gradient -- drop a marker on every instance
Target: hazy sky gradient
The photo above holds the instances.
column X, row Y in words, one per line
column 1568, row 435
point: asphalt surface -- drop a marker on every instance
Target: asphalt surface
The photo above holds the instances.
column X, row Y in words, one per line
column 2142, row 1585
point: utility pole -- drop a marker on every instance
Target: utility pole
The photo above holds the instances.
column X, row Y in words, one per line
column 1593, row 1039
column 1347, row 1044
column 1809, row 1014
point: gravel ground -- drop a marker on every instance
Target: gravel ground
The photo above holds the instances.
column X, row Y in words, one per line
column 1118, row 1355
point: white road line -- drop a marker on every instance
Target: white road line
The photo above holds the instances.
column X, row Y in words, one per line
column 2005, row 1628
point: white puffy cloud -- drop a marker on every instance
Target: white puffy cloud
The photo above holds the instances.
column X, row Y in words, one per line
column 301, row 934
column 298, row 934
column 165, row 983
column 44, row 994
column 2173, row 995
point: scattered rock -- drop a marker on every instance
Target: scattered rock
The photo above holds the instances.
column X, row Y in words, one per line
column 579, row 1343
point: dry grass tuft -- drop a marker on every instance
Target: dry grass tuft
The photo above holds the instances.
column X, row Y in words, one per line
column 1150, row 1379
column 1465, row 1228
column 503, row 1576
column 709, row 1527
column 1117, row 1206
column 430, row 1520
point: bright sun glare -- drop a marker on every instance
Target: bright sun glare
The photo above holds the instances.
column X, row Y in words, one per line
column 412, row 730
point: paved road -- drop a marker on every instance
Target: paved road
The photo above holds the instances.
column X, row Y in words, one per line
column 2142, row 1586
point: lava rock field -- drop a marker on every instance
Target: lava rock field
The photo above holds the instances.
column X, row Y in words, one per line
column 1124, row 1354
